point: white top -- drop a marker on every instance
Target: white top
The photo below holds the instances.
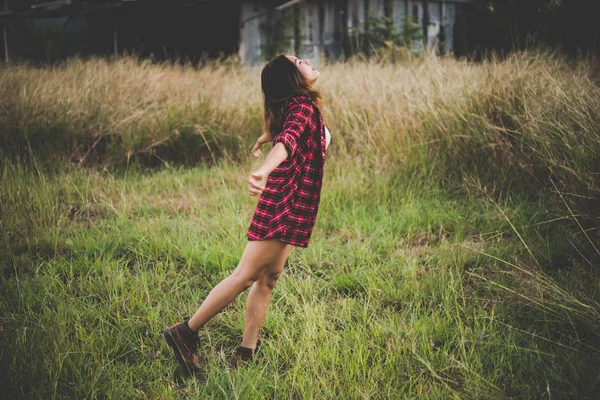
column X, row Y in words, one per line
column 327, row 138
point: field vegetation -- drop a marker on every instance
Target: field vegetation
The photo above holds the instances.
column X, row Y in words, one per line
column 455, row 254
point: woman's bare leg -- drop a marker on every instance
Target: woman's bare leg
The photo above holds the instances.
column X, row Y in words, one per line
column 259, row 297
column 257, row 257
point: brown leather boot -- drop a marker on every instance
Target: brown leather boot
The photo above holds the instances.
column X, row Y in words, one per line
column 184, row 343
column 243, row 355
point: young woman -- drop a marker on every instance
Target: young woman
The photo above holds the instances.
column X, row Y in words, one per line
column 288, row 184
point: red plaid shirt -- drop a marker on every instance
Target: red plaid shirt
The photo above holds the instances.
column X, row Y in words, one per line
column 287, row 207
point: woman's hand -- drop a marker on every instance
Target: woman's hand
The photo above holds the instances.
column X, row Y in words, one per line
column 259, row 142
column 258, row 179
column 256, row 182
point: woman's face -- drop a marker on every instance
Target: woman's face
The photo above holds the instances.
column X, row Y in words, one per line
column 307, row 70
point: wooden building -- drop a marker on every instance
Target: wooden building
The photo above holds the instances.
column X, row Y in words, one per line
column 45, row 30
column 325, row 26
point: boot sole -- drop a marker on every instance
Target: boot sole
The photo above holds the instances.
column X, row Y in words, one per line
column 176, row 351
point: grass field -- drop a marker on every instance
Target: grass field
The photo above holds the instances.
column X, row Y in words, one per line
column 455, row 254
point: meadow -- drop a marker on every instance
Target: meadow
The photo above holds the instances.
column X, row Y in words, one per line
column 455, row 254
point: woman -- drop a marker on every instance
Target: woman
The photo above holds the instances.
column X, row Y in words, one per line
column 289, row 185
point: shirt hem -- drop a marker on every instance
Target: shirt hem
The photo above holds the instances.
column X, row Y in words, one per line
column 282, row 239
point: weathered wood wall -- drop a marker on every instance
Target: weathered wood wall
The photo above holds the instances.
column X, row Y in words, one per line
column 326, row 24
column 252, row 36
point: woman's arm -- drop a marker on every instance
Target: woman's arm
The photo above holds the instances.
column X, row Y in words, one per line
column 285, row 144
column 257, row 179
column 295, row 122
column 264, row 138
column 276, row 156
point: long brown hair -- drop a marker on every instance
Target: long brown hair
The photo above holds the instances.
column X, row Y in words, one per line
column 280, row 81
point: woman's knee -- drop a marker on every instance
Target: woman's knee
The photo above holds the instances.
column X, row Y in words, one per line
column 246, row 279
column 261, row 262
column 269, row 279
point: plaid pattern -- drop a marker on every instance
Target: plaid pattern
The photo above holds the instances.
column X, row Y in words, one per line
column 287, row 207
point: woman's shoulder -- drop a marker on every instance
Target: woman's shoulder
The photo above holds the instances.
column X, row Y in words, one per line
column 301, row 102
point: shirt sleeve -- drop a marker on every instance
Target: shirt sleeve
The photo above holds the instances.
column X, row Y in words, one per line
column 295, row 122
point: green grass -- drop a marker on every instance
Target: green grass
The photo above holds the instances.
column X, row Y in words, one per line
column 392, row 299
column 443, row 264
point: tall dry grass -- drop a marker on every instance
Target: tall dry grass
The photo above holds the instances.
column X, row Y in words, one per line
column 115, row 110
column 519, row 119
